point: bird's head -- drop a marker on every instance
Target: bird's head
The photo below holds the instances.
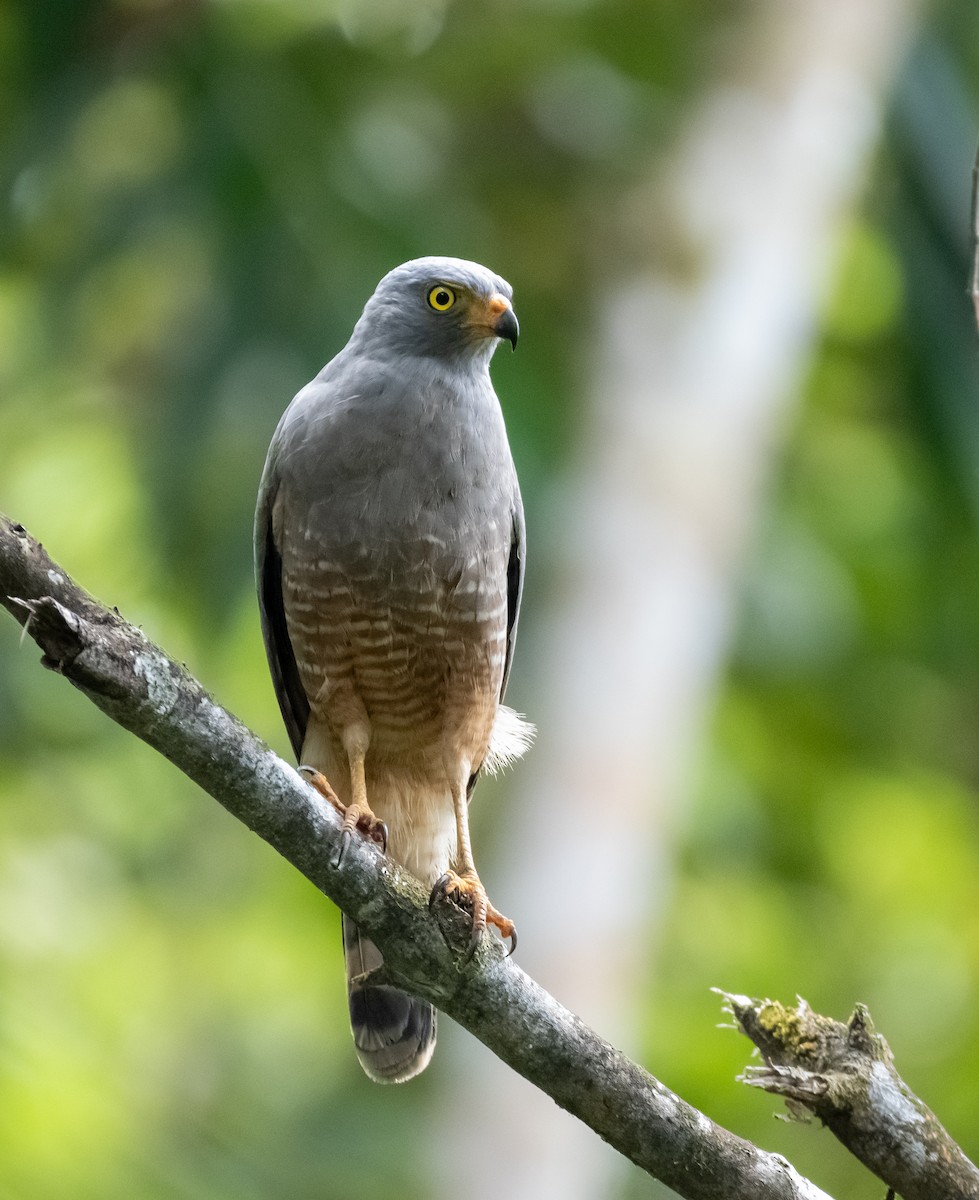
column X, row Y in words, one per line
column 443, row 308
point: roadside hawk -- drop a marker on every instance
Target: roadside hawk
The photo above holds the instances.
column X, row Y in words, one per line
column 390, row 558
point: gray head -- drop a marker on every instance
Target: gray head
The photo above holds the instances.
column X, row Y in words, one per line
column 443, row 308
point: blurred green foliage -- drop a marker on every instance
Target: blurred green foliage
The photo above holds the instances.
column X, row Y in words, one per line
column 835, row 845
column 198, row 197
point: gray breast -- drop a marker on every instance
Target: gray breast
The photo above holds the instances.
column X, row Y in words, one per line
column 397, row 583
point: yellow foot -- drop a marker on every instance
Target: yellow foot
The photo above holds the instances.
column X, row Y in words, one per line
column 321, row 784
column 468, row 893
column 355, row 816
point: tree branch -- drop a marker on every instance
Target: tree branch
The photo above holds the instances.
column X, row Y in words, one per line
column 845, row 1075
column 139, row 687
column 842, row 1074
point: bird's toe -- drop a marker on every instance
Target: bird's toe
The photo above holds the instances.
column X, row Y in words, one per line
column 466, row 891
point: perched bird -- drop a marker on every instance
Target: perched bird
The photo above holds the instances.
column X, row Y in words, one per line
column 390, row 558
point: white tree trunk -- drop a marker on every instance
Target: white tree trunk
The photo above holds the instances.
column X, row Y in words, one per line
column 689, row 384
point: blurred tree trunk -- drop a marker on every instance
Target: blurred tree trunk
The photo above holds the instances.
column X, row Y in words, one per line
column 702, row 330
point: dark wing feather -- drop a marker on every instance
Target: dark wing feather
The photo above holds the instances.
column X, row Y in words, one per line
column 293, row 701
column 514, row 580
column 515, row 574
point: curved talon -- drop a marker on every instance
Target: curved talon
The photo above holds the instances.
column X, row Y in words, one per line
column 438, row 890
column 315, row 779
column 380, row 835
column 355, row 816
column 466, row 892
column 479, row 905
column 474, row 939
column 345, row 836
column 320, row 784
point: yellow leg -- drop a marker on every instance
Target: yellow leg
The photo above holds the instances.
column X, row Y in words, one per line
column 357, row 814
column 463, row 887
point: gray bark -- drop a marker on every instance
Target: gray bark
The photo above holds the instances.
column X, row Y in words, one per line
column 845, row 1076
column 140, row 687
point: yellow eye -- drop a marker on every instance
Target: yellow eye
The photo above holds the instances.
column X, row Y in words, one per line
column 441, row 297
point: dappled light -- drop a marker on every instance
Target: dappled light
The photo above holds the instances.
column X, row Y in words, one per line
column 198, row 200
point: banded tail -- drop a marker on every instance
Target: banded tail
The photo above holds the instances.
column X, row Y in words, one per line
column 394, row 1033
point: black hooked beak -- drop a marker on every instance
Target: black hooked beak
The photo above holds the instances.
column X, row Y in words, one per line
column 507, row 327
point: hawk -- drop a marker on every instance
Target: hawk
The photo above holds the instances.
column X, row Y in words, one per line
column 390, row 560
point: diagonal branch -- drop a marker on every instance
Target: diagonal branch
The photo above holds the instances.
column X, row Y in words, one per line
column 845, row 1076
column 138, row 686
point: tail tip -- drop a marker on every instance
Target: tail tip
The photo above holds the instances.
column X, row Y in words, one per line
column 394, row 1033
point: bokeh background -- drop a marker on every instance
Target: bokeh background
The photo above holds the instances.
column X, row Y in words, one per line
column 744, row 411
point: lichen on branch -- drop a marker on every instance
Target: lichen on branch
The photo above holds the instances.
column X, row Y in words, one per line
column 844, row 1075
